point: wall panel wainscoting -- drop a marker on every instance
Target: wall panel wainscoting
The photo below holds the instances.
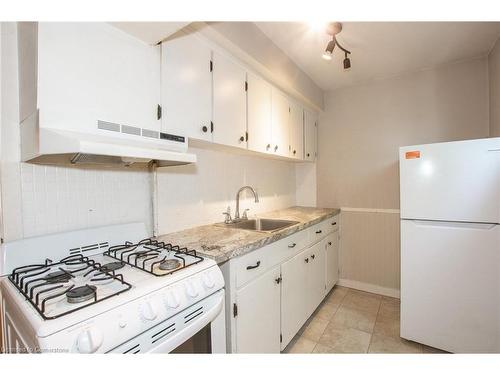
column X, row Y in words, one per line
column 371, row 261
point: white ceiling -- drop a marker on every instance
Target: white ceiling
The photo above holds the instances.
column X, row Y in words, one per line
column 380, row 49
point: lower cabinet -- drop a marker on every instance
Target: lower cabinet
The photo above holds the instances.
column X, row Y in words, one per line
column 267, row 308
column 315, row 259
column 258, row 314
column 332, row 260
column 293, row 296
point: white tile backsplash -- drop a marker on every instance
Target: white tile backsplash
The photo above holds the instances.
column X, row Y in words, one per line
column 56, row 199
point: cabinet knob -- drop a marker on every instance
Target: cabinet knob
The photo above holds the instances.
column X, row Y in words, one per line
column 306, row 260
column 294, row 152
column 330, row 243
column 275, row 148
column 308, row 154
column 204, row 129
column 242, row 139
column 268, row 146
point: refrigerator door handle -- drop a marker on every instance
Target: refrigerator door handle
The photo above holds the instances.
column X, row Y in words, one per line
column 455, row 224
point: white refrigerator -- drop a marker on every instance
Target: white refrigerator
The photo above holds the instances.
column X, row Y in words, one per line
column 450, row 245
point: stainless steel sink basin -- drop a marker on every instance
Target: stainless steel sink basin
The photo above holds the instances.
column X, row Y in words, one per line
column 261, row 225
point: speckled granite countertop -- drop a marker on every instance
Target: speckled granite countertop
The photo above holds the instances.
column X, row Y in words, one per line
column 221, row 244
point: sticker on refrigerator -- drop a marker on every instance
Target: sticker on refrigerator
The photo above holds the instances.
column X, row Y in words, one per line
column 412, row 155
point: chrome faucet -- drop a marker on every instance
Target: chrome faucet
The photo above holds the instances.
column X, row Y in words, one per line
column 237, row 213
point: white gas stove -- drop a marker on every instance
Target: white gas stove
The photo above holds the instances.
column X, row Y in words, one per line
column 110, row 290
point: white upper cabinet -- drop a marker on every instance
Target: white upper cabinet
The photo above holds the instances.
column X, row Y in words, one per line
column 186, row 87
column 229, row 100
column 90, row 72
column 280, row 129
column 310, row 135
column 259, row 113
column 296, row 148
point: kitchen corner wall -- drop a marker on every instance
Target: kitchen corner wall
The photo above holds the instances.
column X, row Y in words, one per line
column 359, row 136
column 197, row 194
column 494, row 78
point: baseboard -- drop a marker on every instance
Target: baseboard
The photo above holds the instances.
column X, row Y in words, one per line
column 371, row 288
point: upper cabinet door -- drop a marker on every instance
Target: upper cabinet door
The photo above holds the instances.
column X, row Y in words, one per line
column 92, row 71
column 296, row 149
column 280, row 124
column 259, row 114
column 229, row 102
column 186, row 87
column 310, row 135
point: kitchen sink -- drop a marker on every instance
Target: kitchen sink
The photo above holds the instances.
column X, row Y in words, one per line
column 261, row 225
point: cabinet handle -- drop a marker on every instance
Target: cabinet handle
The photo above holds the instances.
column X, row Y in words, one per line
column 204, row 129
column 308, row 154
column 275, row 148
column 291, row 246
column 334, row 223
column 278, row 280
column 330, row 243
column 306, row 260
column 294, row 152
column 242, row 139
column 313, row 256
column 252, row 267
column 319, row 231
column 268, row 147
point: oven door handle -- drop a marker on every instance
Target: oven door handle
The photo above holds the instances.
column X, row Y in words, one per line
column 180, row 337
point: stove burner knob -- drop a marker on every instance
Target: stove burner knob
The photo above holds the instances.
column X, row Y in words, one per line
column 172, row 300
column 191, row 290
column 148, row 311
column 89, row 340
column 208, row 281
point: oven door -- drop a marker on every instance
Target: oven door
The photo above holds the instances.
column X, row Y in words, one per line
column 198, row 329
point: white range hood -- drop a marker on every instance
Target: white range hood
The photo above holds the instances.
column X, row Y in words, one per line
column 111, row 144
column 91, row 94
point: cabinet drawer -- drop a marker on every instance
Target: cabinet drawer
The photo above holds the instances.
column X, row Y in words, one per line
column 254, row 264
column 257, row 262
column 320, row 230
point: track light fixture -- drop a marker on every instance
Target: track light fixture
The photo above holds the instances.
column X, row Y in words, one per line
column 333, row 29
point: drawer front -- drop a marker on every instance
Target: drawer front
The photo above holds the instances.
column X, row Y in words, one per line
column 255, row 263
column 324, row 228
column 295, row 242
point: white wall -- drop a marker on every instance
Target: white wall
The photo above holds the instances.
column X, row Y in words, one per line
column 359, row 136
column 494, row 78
column 197, row 194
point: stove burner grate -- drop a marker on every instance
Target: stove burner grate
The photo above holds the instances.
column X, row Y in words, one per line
column 43, row 283
column 154, row 257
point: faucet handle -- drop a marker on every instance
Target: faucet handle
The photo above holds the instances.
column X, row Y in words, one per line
column 228, row 218
column 245, row 216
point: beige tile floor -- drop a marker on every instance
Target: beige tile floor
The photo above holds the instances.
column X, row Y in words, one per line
column 352, row 321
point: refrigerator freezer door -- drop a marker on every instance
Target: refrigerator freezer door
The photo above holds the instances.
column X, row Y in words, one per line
column 455, row 181
column 450, row 285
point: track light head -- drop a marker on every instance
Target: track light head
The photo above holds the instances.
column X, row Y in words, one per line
column 347, row 62
column 327, row 55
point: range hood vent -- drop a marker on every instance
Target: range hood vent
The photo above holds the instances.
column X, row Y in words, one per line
column 110, row 144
